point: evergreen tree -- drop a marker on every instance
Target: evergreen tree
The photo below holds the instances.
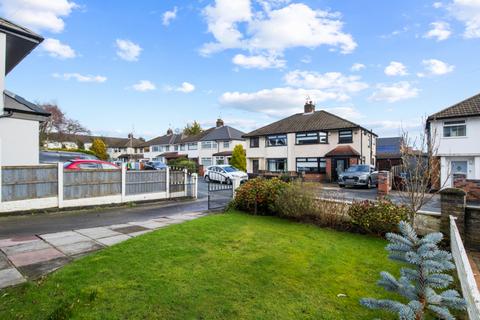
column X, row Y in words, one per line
column 99, row 148
column 192, row 129
column 239, row 159
column 420, row 283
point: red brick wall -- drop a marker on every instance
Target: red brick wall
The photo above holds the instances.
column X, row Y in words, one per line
column 470, row 186
column 329, row 169
column 316, row 177
column 353, row 161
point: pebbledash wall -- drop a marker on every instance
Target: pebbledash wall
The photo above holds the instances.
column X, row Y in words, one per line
column 38, row 187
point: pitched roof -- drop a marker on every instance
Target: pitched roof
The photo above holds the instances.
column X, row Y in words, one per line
column 342, row 151
column 467, row 108
column 162, row 140
column 223, row 154
column 302, row 122
column 212, row 134
column 17, row 104
column 111, row 142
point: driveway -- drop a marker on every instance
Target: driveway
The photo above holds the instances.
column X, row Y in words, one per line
column 333, row 190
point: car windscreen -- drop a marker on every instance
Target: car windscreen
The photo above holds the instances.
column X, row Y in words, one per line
column 66, row 164
column 358, row 169
column 230, row 169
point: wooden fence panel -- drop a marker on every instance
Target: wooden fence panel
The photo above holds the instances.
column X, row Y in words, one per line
column 29, row 182
column 79, row 184
column 139, row 182
column 177, row 181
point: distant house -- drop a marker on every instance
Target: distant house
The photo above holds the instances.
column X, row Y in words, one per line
column 19, row 118
column 455, row 131
column 121, row 149
column 317, row 143
column 211, row 146
column 389, row 152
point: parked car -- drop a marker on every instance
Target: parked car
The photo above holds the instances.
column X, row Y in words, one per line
column 224, row 173
column 359, row 175
column 62, row 156
column 154, row 165
column 89, row 164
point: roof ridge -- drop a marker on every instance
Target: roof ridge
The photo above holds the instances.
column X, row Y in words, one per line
column 454, row 105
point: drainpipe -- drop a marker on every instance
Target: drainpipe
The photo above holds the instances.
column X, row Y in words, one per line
column 3, row 55
column 361, row 146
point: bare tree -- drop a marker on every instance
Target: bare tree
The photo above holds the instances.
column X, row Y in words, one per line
column 419, row 171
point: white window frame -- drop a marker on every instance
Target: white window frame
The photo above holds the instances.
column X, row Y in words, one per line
column 451, row 124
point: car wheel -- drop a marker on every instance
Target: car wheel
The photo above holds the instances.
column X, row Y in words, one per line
column 207, row 178
column 369, row 183
column 341, row 185
column 228, row 181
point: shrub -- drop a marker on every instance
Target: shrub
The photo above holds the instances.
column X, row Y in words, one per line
column 184, row 163
column 99, row 148
column 377, row 217
column 238, row 159
column 258, row 196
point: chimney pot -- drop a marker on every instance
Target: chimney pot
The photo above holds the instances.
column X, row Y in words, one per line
column 169, row 131
column 309, row 107
column 220, row 123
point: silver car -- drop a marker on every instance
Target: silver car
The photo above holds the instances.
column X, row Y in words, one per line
column 359, row 175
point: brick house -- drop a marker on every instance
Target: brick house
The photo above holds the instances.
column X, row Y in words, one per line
column 315, row 143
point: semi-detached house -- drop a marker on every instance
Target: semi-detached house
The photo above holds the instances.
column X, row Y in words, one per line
column 211, row 146
column 316, row 143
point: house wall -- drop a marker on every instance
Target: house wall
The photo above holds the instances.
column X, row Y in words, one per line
column 19, row 142
column 457, row 149
column 292, row 151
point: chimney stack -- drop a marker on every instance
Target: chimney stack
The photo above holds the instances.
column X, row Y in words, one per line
column 169, row 132
column 220, row 123
column 309, row 107
column 130, row 136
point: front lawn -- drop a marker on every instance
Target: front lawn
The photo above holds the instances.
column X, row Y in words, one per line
column 227, row 266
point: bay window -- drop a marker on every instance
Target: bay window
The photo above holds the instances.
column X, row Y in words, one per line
column 277, row 165
column 311, row 165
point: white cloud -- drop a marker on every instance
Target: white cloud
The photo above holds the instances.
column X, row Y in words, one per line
column 258, row 62
column 357, row 67
column 80, row 78
column 440, row 31
column 331, row 81
column 143, row 86
column 346, row 112
column 235, row 25
column 57, row 49
column 276, row 102
column 396, row 68
column 306, row 60
column 437, row 5
column 394, row 127
column 394, row 92
column 435, row 67
column 468, row 12
column 39, row 15
column 168, row 16
column 185, row 87
column 127, row 50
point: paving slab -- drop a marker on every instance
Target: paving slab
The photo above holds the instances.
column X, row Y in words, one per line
column 149, row 224
column 139, row 233
column 110, row 241
column 48, row 236
column 66, row 238
column 118, row 226
column 16, row 240
column 36, row 270
column 71, row 249
column 98, row 233
column 130, row 229
column 26, row 247
column 32, row 257
column 10, row 277
column 4, row 263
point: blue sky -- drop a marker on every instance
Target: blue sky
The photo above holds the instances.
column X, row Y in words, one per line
column 119, row 66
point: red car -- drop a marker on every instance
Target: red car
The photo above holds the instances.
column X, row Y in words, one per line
column 80, row 164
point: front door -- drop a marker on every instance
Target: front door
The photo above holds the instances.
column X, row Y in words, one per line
column 338, row 166
column 255, row 166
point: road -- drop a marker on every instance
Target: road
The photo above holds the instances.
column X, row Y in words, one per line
column 333, row 191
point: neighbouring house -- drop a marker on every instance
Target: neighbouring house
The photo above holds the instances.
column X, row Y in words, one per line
column 119, row 149
column 19, row 118
column 315, row 143
column 212, row 146
column 389, row 152
column 454, row 134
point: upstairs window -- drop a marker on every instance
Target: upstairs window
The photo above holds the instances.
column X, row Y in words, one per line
column 226, row 144
column 323, row 137
column 345, row 136
column 454, row 128
column 307, row 138
column 209, row 144
column 277, row 140
column 192, row 146
column 182, row 147
column 254, row 142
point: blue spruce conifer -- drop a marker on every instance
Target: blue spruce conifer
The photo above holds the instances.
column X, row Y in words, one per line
column 420, row 284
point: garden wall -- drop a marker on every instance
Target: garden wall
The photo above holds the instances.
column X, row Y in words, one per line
column 470, row 186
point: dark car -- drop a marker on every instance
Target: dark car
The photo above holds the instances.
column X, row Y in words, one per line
column 154, row 165
column 359, row 175
column 80, row 164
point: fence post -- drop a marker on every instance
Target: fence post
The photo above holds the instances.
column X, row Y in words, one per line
column 235, row 185
column 167, row 181
column 1, row 169
column 195, row 185
column 124, row 181
column 453, row 203
column 60, row 184
column 185, row 184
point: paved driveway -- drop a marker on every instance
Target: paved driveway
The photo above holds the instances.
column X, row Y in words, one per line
column 333, row 190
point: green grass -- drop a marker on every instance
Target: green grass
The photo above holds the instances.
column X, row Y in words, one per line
column 227, row 266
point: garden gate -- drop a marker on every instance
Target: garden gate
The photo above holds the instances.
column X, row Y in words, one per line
column 220, row 191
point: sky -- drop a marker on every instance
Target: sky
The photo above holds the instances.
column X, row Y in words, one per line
column 144, row 66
